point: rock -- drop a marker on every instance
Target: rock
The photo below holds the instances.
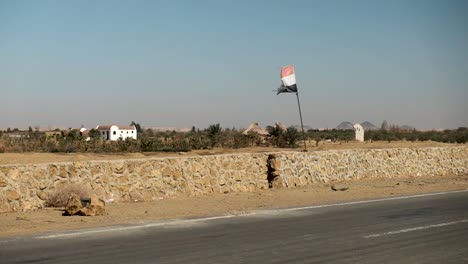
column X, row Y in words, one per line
column 96, row 207
column 4, row 170
column 123, row 179
column 166, row 171
column 118, row 167
column 12, row 195
column 14, row 174
column 43, row 185
column 339, row 187
column 53, row 170
column 63, row 173
column 136, row 197
column 42, row 195
column 75, row 206
column 276, row 183
column 41, row 173
column 3, row 182
column 176, row 174
column 26, row 206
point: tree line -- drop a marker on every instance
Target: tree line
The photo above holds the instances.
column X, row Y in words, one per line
column 148, row 140
column 33, row 140
column 459, row 135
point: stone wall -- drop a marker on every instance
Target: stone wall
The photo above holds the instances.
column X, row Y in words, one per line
column 299, row 169
column 24, row 187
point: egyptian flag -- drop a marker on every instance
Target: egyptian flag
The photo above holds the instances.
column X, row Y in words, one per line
column 288, row 79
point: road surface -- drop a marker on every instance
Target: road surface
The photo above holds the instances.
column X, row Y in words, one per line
column 421, row 229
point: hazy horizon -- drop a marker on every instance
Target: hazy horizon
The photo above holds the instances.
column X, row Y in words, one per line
column 184, row 63
column 188, row 128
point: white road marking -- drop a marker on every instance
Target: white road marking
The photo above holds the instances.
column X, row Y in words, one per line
column 366, row 201
column 416, row 229
column 256, row 212
column 125, row 228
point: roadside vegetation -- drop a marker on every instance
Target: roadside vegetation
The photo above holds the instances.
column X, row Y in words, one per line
column 215, row 136
column 61, row 196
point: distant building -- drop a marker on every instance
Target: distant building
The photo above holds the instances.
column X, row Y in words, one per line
column 115, row 132
column 359, row 130
column 255, row 128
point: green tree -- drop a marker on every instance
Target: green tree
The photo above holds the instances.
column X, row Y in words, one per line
column 94, row 134
column 291, row 136
column 149, row 132
column 275, row 134
column 214, row 133
column 137, row 126
column 74, row 135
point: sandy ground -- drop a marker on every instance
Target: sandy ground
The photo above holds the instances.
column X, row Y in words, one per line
column 34, row 158
column 20, row 223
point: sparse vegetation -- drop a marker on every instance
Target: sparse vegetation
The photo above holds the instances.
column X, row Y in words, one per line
column 15, row 140
column 332, row 134
column 459, row 135
column 60, row 197
column 393, row 133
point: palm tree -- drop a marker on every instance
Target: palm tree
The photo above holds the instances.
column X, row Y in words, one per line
column 275, row 133
column 214, row 133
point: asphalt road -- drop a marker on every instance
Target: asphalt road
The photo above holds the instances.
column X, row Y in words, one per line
column 429, row 229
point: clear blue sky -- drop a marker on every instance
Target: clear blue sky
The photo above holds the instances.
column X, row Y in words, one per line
column 184, row 63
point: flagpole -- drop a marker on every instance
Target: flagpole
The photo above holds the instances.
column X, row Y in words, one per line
column 302, row 125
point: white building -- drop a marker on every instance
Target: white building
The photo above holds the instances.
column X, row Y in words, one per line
column 359, row 130
column 115, row 132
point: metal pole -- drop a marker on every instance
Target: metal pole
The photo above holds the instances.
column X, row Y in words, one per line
column 302, row 125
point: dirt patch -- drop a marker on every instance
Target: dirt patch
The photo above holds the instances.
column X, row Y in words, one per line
column 17, row 223
column 35, row 158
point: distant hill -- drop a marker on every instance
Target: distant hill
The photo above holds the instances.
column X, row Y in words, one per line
column 345, row 126
column 164, row 129
column 368, row 126
column 306, row 127
column 348, row 125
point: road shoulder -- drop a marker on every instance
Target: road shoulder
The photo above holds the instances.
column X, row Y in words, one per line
column 47, row 220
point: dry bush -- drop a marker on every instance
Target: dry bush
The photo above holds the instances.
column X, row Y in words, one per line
column 60, row 197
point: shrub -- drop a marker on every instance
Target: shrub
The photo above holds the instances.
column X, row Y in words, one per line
column 60, row 197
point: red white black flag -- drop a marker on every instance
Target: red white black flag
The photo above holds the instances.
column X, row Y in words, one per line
column 288, row 80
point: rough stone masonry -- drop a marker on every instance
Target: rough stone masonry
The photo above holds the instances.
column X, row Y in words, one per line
column 24, row 187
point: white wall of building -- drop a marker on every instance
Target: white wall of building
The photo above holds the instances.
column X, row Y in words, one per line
column 115, row 133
